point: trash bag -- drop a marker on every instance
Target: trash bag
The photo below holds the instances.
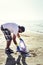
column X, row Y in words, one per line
column 22, row 46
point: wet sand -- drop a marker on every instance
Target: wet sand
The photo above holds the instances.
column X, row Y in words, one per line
column 34, row 44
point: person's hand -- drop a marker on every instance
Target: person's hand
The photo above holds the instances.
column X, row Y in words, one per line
column 18, row 49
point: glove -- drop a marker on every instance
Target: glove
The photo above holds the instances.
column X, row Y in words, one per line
column 18, row 49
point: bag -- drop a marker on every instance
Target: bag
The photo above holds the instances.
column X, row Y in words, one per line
column 22, row 46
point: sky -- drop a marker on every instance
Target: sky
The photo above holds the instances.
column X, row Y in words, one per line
column 24, row 10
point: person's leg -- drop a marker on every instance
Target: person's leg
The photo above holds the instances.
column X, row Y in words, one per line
column 8, row 50
column 8, row 44
column 8, row 38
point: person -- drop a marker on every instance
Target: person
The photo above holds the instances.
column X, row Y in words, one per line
column 9, row 28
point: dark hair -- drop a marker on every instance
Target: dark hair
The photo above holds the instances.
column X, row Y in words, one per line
column 22, row 28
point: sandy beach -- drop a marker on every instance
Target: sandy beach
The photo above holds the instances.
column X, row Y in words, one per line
column 34, row 44
column 26, row 18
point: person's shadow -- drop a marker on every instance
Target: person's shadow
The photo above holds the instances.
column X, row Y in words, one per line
column 11, row 60
column 23, row 59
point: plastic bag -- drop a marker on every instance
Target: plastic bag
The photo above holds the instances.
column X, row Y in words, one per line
column 22, row 46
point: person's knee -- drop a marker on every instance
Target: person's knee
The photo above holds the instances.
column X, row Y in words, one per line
column 8, row 38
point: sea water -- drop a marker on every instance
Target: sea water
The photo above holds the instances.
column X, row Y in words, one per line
column 35, row 26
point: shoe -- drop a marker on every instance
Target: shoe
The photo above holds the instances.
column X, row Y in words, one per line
column 8, row 51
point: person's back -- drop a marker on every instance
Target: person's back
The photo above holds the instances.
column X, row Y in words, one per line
column 12, row 27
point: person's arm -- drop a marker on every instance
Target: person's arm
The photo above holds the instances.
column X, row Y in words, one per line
column 14, row 40
column 19, row 36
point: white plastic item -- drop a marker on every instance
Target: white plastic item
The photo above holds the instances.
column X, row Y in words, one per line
column 22, row 46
